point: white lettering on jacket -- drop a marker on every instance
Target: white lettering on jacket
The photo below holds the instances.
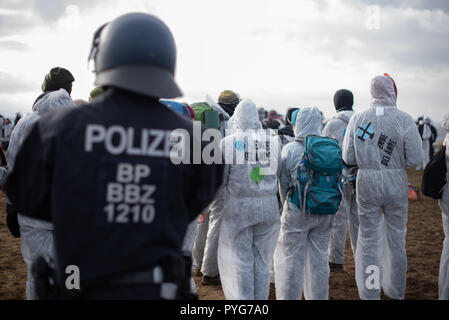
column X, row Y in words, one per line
column 119, row 140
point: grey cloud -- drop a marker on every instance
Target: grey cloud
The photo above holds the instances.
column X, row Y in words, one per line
column 26, row 14
column 417, row 4
column 13, row 45
column 412, row 40
column 12, row 24
column 48, row 9
column 15, row 4
column 9, row 107
column 55, row 9
column 10, row 84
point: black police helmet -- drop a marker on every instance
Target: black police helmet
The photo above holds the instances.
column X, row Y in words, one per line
column 136, row 52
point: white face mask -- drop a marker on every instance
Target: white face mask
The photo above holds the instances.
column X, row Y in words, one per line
column 421, row 122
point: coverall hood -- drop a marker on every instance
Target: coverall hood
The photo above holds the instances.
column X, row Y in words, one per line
column 445, row 123
column 382, row 92
column 245, row 116
column 308, row 122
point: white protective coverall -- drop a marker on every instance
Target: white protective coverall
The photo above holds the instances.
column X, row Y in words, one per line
column 187, row 246
column 301, row 255
column 5, row 131
column 426, row 135
column 199, row 243
column 209, row 265
column 207, row 233
column 443, row 280
column 382, row 141
column 36, row 235
column 336, row 128
column 250, row 223
column 196, row 235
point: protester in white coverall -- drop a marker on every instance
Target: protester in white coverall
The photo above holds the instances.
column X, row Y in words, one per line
column 301, row 255
column 426, row 134
column 199, row 244
column 36, row 235
column 336, row 128
column 5, row 132
column 187, row 246
column 208, row 232
column 443, row 280
column 250, row 223
column 382, row 141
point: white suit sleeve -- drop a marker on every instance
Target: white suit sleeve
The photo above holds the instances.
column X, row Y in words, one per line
column 412, row 146
column 284, row 177
column 279, row 159
column 427, row 132
column 348, row 150
column 326, row 131
column 217, row 203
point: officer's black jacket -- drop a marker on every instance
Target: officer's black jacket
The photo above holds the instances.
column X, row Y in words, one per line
column 56, row 179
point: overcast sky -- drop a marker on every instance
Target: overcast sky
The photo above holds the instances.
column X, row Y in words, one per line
column 279, row 53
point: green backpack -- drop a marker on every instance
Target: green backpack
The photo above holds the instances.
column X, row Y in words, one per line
column 317, row 181
column 208, row 116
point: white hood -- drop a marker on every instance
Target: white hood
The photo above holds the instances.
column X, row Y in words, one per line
column 245, row 116
column 445, row 123
column 382, row 92
column 308, row 122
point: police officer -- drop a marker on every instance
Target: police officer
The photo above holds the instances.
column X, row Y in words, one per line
column 103, row 173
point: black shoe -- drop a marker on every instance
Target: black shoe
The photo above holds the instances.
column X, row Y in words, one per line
column 335, row 266
column 211, row 281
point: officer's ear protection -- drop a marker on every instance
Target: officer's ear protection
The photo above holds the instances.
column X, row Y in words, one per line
column 94, row 48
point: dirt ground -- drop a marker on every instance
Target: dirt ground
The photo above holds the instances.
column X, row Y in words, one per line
column 424, row 244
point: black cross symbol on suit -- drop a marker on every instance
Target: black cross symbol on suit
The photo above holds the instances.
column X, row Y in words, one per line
column 368, row 130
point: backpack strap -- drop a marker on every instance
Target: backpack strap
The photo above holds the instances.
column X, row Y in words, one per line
column 309, row 180
column 295, row 181
column 339, row 185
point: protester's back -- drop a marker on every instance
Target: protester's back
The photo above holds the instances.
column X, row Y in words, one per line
column 336, row 127
column 54, row 100
column 243, row 174
column 386, row 136
column 382, row 141
column 250, row 220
